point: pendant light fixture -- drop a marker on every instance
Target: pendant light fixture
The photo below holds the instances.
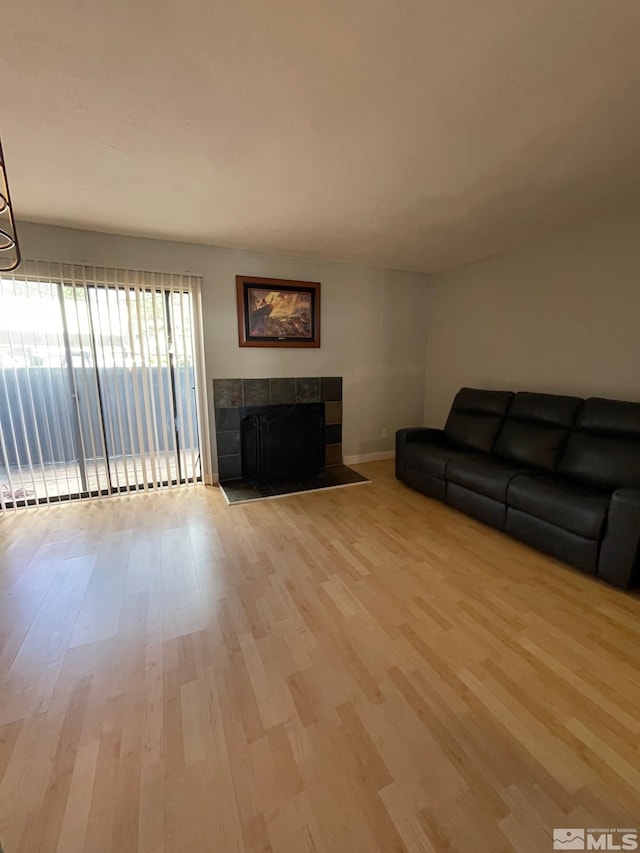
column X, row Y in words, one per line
column 9, row 248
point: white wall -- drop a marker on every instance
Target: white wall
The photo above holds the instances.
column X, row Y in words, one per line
column 562, row 317
column 373, row 322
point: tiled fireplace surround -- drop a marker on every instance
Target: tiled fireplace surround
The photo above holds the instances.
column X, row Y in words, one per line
column 230, row 395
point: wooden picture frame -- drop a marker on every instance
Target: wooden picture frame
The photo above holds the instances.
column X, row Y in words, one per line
column 277, row 312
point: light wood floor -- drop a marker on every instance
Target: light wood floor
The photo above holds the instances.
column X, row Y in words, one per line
column 349, row 671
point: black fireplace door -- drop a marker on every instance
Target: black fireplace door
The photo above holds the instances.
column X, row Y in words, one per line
column 280, row 443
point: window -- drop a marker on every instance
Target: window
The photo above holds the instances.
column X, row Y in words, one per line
column 98, row 382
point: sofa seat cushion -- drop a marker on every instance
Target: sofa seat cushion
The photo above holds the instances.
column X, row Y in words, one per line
column 483, row 474
column 568, row 505
column 430, row 458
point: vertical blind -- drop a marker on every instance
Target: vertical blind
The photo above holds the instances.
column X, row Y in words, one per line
column 98, row 382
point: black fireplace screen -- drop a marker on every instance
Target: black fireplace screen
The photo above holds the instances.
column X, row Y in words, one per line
column 280, row 443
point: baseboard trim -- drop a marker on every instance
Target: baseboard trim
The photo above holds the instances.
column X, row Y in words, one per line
column 369, row 457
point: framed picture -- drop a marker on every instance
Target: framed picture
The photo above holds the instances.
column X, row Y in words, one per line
column 274, row 312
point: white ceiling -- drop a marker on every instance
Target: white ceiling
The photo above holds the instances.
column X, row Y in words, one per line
column 417, row 134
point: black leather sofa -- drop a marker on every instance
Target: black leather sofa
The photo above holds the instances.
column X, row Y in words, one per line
column 560, row 473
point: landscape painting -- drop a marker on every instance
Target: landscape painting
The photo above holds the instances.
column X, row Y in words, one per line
column 277, row 312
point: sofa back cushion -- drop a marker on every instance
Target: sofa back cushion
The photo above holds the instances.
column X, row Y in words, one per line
column 476, row 417
column 536, row 429
column 604, row 448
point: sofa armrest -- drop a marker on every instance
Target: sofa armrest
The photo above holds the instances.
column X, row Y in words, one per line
column 619, row 561
column 419, row 434
column 408, row 436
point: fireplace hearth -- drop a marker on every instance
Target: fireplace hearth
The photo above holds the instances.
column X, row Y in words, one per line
column 282, row 442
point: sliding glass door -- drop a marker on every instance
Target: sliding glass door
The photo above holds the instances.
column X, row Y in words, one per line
column 38, row 421
column 97, row 383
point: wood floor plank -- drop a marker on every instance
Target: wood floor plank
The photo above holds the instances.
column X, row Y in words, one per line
column 354, row 671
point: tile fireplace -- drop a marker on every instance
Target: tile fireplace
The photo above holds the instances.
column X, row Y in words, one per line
column 233, row 398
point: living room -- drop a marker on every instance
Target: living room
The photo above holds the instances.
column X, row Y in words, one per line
column 355, row 665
